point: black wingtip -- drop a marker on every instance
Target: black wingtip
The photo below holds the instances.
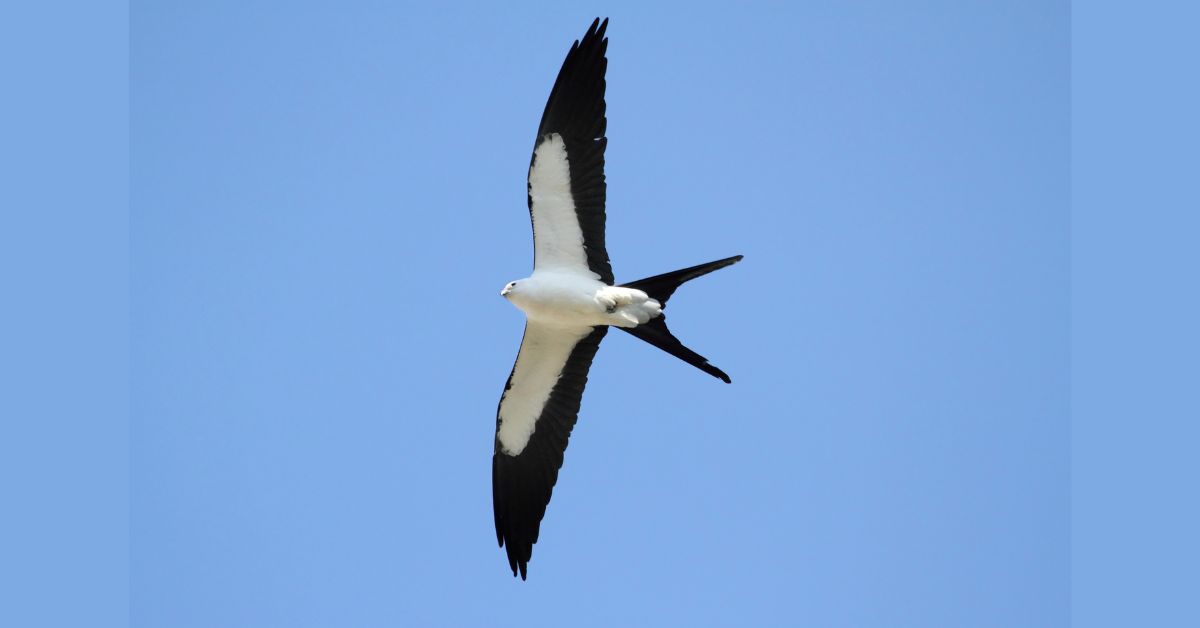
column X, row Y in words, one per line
column 516, row 562
column 595, row 31
column 517, row 565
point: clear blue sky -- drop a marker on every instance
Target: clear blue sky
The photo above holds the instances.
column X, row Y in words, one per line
column 326, row 201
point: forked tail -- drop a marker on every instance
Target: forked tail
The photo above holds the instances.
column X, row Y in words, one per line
column 655, row 332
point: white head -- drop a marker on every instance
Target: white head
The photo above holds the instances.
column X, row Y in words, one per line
column 508, row 289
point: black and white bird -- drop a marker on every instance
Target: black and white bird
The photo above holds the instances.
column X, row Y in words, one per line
column 569, row 301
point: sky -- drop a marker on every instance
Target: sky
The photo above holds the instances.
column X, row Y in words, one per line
column 327, row 198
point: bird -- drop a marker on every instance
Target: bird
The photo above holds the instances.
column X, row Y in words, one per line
column 570, row 300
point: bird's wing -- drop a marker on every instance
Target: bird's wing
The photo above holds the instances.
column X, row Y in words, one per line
column 534, row 421
column 566, row 173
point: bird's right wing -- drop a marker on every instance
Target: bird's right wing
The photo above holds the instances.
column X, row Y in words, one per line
column 533, row 422
column 566, row 174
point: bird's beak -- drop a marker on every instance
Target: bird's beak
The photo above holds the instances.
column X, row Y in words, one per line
column 504, row 292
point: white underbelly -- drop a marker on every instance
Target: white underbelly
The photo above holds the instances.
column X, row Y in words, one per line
column 569, row 300
column 564, row 305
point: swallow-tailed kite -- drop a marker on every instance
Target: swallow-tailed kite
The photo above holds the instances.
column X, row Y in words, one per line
column 569, row 301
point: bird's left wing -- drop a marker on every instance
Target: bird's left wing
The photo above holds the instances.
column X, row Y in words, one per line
column 566, row 174
column 536, row 414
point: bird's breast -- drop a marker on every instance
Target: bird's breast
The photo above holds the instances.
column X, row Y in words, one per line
column 561, row 300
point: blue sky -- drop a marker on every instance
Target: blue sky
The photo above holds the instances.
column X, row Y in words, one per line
column 327, row 200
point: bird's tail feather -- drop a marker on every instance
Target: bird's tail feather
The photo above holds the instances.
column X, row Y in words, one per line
column 661, row 287
column 655, row 332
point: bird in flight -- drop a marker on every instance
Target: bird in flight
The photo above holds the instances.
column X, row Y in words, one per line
column 569, row 301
